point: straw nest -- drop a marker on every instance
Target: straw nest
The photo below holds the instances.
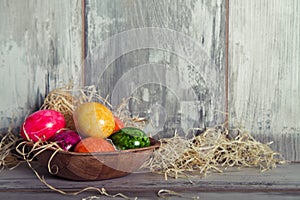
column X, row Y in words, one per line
column 212, row 151
column 66, row 99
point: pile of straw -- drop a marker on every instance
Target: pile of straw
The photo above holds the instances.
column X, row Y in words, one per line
column 211, row 151
column 62, row 101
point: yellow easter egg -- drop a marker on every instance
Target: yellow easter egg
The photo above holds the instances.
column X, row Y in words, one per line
column 94, row 119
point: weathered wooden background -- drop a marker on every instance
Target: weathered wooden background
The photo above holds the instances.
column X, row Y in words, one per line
column 178, row 82
column 169, row 54
column 264, row 71
column 40, row 48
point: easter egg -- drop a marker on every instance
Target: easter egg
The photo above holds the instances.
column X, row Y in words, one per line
column 42, row 125
column 130, row 138
column 66, row 139
column 93, row 144
column 118, row 124
column 93, row 119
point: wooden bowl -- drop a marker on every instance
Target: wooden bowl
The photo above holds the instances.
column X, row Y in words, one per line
column 96, row 166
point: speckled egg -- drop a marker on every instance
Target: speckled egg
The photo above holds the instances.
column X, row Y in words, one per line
column 93, row 119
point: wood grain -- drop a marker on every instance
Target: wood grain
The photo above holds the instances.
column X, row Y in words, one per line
column 264, row 41
column 282, row 182
column 153, row 196
column 40, row 50
column 168, row 55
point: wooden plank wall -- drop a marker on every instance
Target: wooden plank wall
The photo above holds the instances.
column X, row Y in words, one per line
column 170, row 54
column 264, row 78
column 175, row 71
column 40, row 48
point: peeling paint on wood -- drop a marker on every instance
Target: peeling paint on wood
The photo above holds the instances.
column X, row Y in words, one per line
column 264, row 49
column 168, row 55
column 40, row 48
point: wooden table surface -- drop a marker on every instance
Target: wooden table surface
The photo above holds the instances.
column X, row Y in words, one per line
column 282, row 182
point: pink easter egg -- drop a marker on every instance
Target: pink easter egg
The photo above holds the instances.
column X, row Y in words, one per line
column 42, row 125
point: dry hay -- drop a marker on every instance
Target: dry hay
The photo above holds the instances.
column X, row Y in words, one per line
column 122, row 111
column 66, row 99
column 8, row 159
column 212, row 151
column 61, row 100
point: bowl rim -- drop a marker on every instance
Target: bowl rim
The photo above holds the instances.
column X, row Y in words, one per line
column 154, row 145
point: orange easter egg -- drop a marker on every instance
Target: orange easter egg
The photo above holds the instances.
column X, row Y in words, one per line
column 93, row 144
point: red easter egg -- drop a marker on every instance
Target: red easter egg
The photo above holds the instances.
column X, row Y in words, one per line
column 119, row 124
column 42, row 125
